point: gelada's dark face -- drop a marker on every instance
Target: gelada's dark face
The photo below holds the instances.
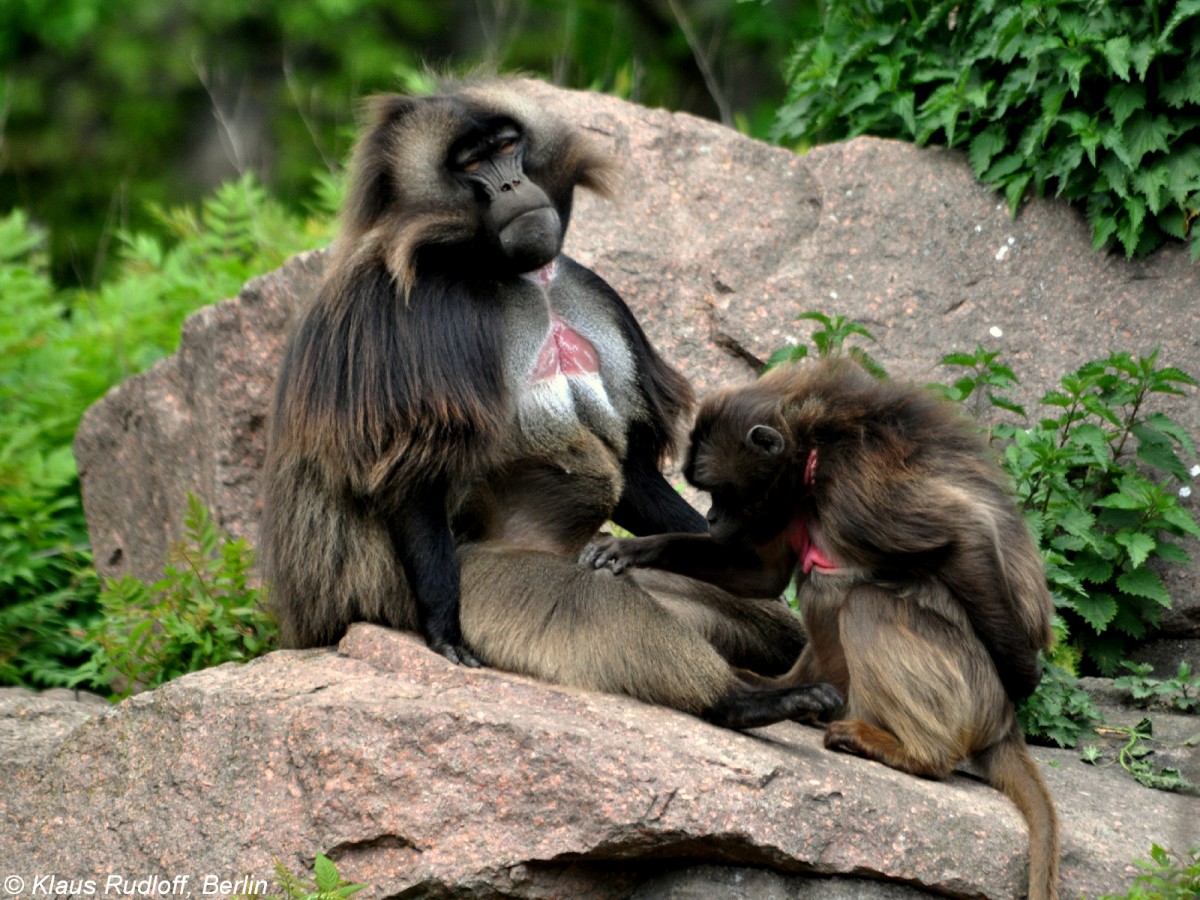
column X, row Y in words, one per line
column 745, row 474
column 520, row 220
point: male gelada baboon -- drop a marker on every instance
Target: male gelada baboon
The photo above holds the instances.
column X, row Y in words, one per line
column 461, row 408
column 923, row 595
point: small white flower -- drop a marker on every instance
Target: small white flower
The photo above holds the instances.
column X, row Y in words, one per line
column 996, row 331
column 1002, row 252
column 1185, row 492
column 1194, row 471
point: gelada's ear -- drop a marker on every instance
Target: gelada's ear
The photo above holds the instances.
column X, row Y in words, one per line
column 766, row 439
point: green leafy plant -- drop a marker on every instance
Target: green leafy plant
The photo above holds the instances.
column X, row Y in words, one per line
column 1095, row 100
column 45, row 592
column 1081, row 474
column 203, row 612
column 326, row 883
column 830, row 340
column 1099, row 521
column 1084, row 476
column 1134, row 758
column 1180, row 693
column 1167, row 875
column 60, row 350
column 982, row 382
column 1059, row 711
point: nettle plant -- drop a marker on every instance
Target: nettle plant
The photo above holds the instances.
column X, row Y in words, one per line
column 1099, row 477
column 1182, row 692
column 1097, row 101
column 1167, row 875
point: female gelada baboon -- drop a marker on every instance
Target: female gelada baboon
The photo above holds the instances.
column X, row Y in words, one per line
column 462, row 406
column 922, row 592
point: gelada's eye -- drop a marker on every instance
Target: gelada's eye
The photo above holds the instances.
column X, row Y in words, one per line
column 507, row 147
column 472, row 166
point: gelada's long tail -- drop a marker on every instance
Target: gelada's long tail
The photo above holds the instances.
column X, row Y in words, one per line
column 1011, row 770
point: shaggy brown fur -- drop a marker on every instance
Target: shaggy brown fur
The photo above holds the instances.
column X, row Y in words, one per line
column 925, row 599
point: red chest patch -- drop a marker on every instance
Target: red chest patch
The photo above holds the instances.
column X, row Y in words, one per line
column 565, row 352
column 807, row 552
column 800, row 538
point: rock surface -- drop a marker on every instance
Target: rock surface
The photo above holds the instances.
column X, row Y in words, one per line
column 33, row 725
column 420, row 778
column 427, row 780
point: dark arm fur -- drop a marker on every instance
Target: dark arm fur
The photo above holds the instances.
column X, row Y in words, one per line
column 738, row 569
column 649, row 505
column 391, row 392
column 421, row 537
column 394, row 400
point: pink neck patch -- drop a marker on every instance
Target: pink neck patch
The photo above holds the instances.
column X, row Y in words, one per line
column 807, row 552
column 565, row 352
column 543, row 276
column 800, row 538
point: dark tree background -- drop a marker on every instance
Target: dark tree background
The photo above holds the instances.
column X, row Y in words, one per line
column 110, row 106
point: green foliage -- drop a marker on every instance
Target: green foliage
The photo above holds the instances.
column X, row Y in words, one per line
column 203, row 612
column 1167, row 875
column 1180, row 693
column 60, row 350
column 110, row 104
column 1083, row 475
column 40, row 644
column 43, row 538
column 1135, row 758
column 1096, row 100
column 830, row 340
column 326, row 884
column 1098, row 520
column 1059, row 710
column 985, row 377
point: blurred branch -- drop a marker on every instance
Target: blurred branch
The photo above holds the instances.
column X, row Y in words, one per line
column 704, row 64
column 289, row 77
column 227, row 131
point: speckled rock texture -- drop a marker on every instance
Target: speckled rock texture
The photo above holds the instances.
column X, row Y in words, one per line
column 422, row 779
